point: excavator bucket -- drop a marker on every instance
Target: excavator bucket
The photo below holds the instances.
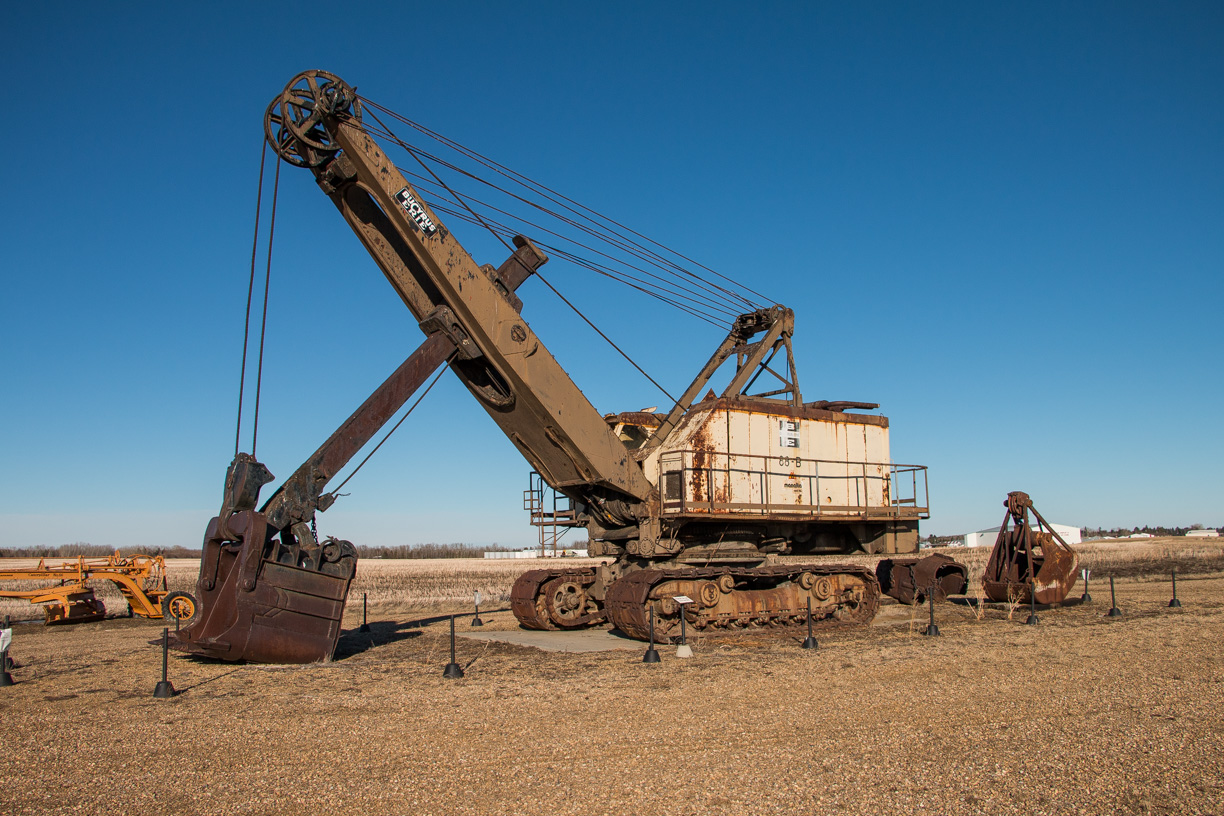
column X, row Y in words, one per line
column 266, row 595
column 910, row 579
column 258, row 609
column 1027, row 562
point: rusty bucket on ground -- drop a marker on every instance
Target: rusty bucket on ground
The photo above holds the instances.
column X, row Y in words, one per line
column 909, row 579
column 255, row 609
column 1023, row 557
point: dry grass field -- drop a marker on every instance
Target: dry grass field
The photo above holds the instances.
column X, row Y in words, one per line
column 1079, row 714
column 413, row 585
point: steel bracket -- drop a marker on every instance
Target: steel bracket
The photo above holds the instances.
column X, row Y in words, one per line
column 442, row 320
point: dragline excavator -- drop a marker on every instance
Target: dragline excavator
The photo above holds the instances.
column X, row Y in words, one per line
column 699, row 502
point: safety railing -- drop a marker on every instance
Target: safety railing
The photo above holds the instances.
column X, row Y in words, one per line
column 707, row 482
column 553, row 523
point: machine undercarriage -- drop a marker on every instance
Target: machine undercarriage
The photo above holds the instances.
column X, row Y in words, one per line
column 624, row 594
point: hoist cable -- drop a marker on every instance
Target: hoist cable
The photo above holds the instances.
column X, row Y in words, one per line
column 696, row 297
column 263, row 327
column 600, row 270
column 578, row 261
column 586, row 264
column 553, row 195
column 428, row 169
column 734, row 303
column 607, row 271
column 246, row 326
column 548, row 193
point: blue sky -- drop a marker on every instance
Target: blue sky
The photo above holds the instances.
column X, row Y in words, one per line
column 1003, row 223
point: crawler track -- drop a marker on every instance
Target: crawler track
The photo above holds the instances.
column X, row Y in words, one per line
column 739, row 598
column 555, row 599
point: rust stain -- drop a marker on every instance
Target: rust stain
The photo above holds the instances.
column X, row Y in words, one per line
column 698, row 481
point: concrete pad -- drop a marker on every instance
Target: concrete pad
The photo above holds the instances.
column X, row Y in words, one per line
column 575, row 640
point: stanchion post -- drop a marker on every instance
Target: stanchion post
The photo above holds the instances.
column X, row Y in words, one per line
column 165, row 689
column 1032, row 618
column 1114, row 611
column 452, row 670
column 6, row 662
column 1174, row 604
column 1086, row 598
column 6, row 635
column 809, row 642
column 932, row 630
column 476, row 621
column 365, row 613
column 682, row 648
column 652, row 654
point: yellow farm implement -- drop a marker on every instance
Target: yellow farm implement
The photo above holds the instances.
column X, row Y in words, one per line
column 141, row 579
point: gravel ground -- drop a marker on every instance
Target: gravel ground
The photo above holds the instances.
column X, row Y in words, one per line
column 1080, row 714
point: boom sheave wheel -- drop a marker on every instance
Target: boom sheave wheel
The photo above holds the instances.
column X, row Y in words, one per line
column 293, row 122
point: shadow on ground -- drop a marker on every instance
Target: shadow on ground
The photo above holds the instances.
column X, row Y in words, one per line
column 355, row 641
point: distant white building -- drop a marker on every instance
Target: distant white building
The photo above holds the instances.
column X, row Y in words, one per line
column 1202, row 534
column 986, row 538
column 534, row 552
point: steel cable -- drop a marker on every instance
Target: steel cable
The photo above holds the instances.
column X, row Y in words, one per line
column 246, row 326
column 578, row 261
column 553, row 196
column 429, row 170
column 504, row 229
column 263, row 328
column 605, row 337
column 697, row 297
column 734, row 304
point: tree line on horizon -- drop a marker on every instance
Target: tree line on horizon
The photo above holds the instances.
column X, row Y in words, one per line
column 83, row 548
column 459, row 550
column 1122, row 532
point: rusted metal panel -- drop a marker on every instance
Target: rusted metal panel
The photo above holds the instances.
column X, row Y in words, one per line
column 910, row 580
column 738, row 459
